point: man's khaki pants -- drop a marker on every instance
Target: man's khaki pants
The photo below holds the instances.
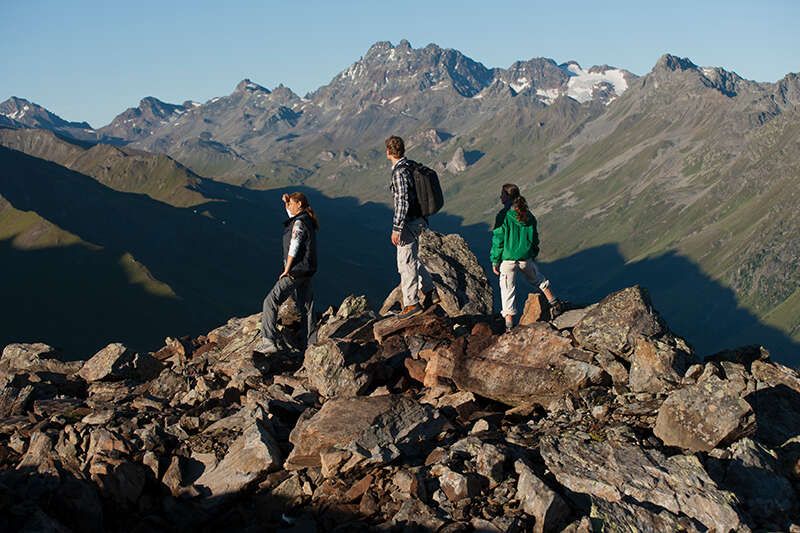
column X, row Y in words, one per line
column 413, row 274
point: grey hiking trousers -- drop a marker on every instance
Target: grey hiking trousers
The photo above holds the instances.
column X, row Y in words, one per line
column 414, row 276
column 287, row 286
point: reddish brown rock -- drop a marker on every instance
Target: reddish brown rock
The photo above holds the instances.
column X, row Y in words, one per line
column 531, row 364
column 416, row 369
column 534, row 310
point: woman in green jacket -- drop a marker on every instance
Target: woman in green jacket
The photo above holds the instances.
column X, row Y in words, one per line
column 515, row 245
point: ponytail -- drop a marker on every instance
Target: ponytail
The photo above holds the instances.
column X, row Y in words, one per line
column 518, row 202
column 521, row 207
column 312, row 216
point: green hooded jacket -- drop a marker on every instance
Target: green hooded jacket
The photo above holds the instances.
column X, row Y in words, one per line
column 513, row 240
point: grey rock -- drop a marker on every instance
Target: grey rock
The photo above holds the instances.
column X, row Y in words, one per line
column 656, row 366
column 460, row 281
column 334, row 368
column 352, row 316
column 628, row 515
column 356, row 431
column 36, row 357
column 751, row 472
column 457, row 486
column 617, row 321
column 413, row 512
column 540, row 501
column 705, row 415
column 457, row 163
column 614, row 469
column 253, row 454
column 569, row 319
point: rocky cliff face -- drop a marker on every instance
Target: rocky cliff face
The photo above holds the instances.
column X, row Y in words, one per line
column 600, row 418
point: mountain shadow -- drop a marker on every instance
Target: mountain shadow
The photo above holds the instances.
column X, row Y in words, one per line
column 221, row 257
column 696, row 307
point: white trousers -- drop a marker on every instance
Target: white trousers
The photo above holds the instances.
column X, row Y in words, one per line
column 508, row 286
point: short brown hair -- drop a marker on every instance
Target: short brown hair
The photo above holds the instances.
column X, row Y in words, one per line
column 395, row 146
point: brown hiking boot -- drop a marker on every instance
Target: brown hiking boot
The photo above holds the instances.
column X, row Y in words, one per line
column 409, row 311
column 430, row 299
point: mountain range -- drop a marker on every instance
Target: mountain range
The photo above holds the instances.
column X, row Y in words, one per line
column 684, row 179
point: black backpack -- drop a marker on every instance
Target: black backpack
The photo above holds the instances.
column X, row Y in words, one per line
column 427, row 188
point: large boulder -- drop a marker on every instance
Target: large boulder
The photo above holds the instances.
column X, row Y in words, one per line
column 632, row 516
column 348, row 432
column 459, row 279
column 613, row 468
column 707, row 414
column 617, row 321
column 336, row 368
column 530, row 365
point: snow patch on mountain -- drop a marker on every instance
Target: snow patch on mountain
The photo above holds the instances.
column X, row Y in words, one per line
column 520, row 84
column 582, row 83
column 548, row 95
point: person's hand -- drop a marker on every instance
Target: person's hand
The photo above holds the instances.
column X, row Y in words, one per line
column 285, row 198
column 284, row 274
column 496, row 270
column 396, row 238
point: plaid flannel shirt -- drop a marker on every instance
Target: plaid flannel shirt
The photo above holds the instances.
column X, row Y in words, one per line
column 402, row 192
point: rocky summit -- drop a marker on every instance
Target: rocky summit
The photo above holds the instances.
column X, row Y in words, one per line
column 600, row 419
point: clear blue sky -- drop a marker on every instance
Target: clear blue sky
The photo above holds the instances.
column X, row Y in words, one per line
column 89, row 60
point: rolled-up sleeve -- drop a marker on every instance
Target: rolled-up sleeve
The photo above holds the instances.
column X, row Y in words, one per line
column 298, row 234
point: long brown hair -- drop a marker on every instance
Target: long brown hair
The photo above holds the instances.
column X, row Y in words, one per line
column 518, row 202
column 304, row 205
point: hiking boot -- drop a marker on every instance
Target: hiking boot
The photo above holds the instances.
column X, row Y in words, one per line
column 266, row 346
column 409, row 311
column 430, row 299
column 556, row 308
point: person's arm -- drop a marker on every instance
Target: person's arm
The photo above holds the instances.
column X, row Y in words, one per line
column 535, row 240
column 400, row 181
column 498, row 241
column 298, row 235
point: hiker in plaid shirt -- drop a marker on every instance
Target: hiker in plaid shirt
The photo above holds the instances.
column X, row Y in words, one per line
column 407, row 225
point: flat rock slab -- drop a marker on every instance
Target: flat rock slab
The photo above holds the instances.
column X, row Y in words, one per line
column 615, row 469
column 532, row 364
column 375, row 428
column 569, row 319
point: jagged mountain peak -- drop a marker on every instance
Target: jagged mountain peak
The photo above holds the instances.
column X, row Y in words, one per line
column 246, row 85
column 671, row 62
